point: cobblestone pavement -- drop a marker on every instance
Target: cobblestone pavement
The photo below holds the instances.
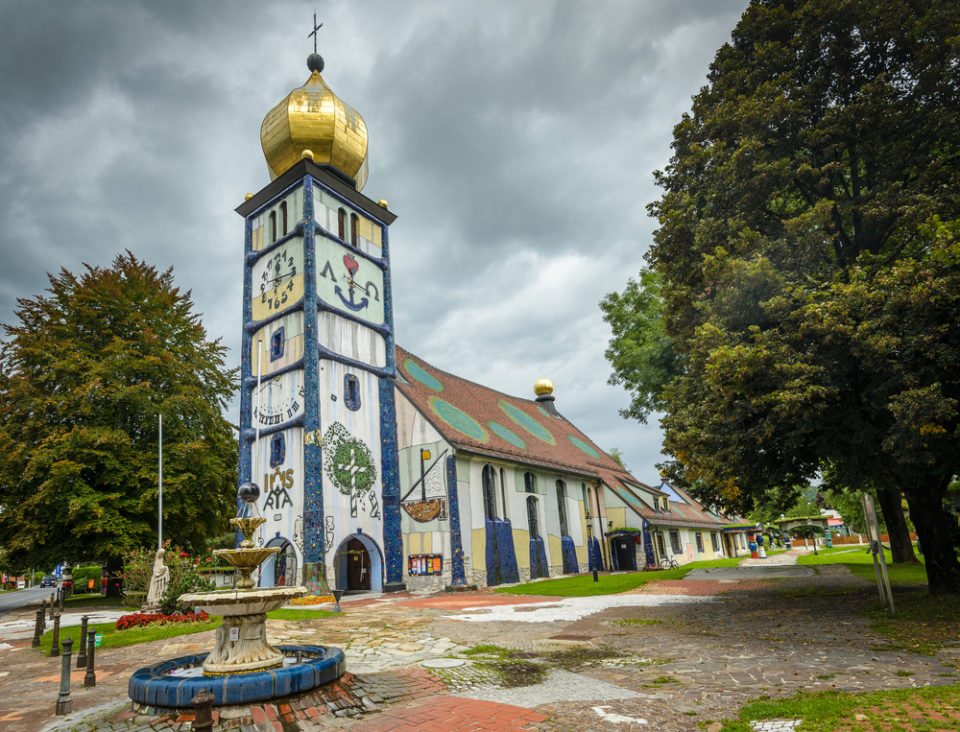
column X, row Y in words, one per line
column 695, row 652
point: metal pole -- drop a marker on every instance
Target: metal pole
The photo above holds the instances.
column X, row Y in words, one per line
column 82, row 654
column 202, row 705
column 55, row 643
column 90, row 678
column 64, row 703
column 160, row 484
column 37, row 630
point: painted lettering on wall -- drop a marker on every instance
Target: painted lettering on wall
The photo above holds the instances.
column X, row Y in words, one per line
column 277, row 485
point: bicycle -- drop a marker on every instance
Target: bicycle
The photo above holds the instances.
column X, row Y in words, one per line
column 668, row 563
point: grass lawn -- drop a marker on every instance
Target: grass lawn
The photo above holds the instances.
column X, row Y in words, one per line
column 929, row 709
column 582, row 585
column 91, row 600
column 113, row 638
column 291, row 614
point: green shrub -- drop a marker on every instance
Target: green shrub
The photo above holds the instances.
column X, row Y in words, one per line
column 82, row 576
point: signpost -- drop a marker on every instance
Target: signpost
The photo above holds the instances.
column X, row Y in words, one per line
column 876, row 548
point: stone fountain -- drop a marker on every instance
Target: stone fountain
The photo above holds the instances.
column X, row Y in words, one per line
column 243, row 667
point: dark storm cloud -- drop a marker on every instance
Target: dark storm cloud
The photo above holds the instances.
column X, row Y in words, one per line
column 516, row 141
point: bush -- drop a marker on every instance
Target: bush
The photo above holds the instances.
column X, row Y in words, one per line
column 184, row 575
column 83, row 575
column 139, row 620
column 38, row 575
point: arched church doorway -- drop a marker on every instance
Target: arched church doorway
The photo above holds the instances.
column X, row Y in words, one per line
column 358, row 565
column 280, row 570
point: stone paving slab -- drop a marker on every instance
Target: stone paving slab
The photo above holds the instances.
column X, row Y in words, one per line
column 777, row 571
column 559, row 686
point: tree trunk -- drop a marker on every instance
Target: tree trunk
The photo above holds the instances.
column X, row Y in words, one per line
column 113, row 570
column 891, row 506
column 926, row 511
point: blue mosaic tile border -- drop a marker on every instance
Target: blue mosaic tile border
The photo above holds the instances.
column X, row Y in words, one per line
column 313, row 534
column 457, row 574
column 538, row 558
column 505, row 548
column 596, row 556
column 154, row 686
column 569, row 551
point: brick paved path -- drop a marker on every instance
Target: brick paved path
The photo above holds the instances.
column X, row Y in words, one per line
column 668, row 667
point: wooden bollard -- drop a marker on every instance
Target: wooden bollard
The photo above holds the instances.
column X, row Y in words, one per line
column 90, row 678
column 64, row 703
column 43, row 615
column 202, row 705
column 55, row 643
column 82, row 654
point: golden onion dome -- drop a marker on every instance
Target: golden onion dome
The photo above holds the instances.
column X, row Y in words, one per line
column 314, row 120
column 543, row 386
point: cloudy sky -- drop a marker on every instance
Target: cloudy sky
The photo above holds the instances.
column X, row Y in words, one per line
column 515, row 139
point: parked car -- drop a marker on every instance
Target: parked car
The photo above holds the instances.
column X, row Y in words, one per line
column 48, row 581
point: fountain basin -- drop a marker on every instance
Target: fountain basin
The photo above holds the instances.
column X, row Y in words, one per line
column 242, row 602
column 159, row 687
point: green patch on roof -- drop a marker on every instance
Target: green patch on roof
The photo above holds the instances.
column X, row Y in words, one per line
column 543, row 411
column 504, row 434
column 527, row 422
column 583, row 446
column 418, row 373
column 460, row 421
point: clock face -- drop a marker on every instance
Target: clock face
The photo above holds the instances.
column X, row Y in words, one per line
column 278, row 279
column 279, row 400
column 349, row 282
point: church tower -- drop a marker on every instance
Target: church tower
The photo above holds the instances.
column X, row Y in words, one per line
column 317, row 416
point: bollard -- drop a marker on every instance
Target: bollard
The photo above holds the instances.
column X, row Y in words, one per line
column 90, row 678
column 82, row 654
column 64, row 703
column 202, row 705
column 595, row 577
column 43, row 615
column 60, row 598
column 53, row 602
column 55, row 643
column 37, row 630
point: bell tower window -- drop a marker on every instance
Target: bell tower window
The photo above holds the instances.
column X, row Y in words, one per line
column 273, row 226
column 354, row 228
column 283, row 218
column 278, row 450
column 276, row 344
column 342, row 223
column 351, row 392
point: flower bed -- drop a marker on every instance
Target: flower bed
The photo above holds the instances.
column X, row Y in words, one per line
column 138, row 620
column 313, row 600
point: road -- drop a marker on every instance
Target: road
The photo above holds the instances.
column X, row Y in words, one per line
column 13, row 600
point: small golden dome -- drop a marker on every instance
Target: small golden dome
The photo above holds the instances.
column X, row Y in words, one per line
column 313, row 119
column 543, row 386
column 248, row 197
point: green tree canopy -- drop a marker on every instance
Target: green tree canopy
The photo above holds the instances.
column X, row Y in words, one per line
column 86, row 371
column 808, row 262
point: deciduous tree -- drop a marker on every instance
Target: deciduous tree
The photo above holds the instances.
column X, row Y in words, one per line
column 808, row 261
column 86, row 370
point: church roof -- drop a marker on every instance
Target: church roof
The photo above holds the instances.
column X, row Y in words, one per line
column 484, row 421
column 474, row 418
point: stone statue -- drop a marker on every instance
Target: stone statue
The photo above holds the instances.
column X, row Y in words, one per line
column 158, row 581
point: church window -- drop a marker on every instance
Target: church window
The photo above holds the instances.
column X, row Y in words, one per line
column 715, row 541
column 273, row 226
column 278, row 450
column 675, row 541
column 342, row 223
column 660, row 547
column 283, row 218
column 354, row 229
column 586, row 500
column 276, row 344
column 699, row 538
column 503, row 493
column 533, row 521
column 489, row 493
column 529, row 483
column 351, row 392
column 562, row 506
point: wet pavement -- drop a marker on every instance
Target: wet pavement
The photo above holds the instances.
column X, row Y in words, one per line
column 668, row 656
